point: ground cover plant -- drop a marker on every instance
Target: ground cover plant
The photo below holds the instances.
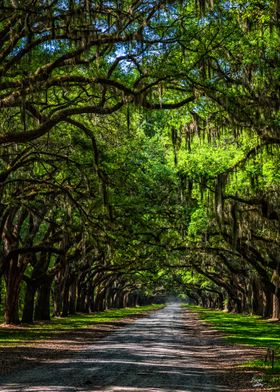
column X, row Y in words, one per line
column 24, row 334
column 249, row 330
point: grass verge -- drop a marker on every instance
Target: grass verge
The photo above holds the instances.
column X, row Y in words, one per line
column 14, row 335
column 249, row 330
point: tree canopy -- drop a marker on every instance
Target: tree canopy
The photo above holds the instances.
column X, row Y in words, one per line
column 139, row 155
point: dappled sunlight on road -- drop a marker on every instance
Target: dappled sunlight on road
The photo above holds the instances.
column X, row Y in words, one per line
column 163, row 352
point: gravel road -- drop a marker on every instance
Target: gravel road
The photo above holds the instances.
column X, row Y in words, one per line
column 167, row 351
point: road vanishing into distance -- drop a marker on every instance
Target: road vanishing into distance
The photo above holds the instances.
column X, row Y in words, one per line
column 167, row 351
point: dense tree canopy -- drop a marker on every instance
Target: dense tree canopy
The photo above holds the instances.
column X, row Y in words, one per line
column 139, row 155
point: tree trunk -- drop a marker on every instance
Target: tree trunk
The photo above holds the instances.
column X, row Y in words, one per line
column 114, row 299
column 81, row 300
column 42, row 308
column 11, row 304
column 65, row 300
column 276, row 301
column 125, row 300
column 0, row 291
column 220, row 301
column 267, row 303
column 99, row 301
column 87, row 303
column 238, row 305
column 107, row 298
column 276, row 307
column 257, row 302
column 29, row 298
column 91, row 299
column 13, row 279
column 73, row 297
column 38, row 277
column 57, row 297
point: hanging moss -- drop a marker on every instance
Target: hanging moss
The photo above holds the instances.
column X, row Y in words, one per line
column 202, row 187
column 219, row 197
column 234, row 224
column 128, row 118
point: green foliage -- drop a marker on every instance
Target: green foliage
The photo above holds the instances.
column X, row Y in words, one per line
column 140, row 147
column 198, row 224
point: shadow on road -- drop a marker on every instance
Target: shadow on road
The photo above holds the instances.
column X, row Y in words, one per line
column 164, row 352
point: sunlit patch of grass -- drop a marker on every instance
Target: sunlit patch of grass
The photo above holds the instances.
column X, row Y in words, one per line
column 243, row 329
column 26, row 333
column 263, row 365
column 249, row 330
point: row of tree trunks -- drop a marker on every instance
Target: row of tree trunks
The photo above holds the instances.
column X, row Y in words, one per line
column 68, row 296
column 260, row 301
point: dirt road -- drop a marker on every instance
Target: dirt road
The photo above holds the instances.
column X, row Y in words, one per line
column 168, row 351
